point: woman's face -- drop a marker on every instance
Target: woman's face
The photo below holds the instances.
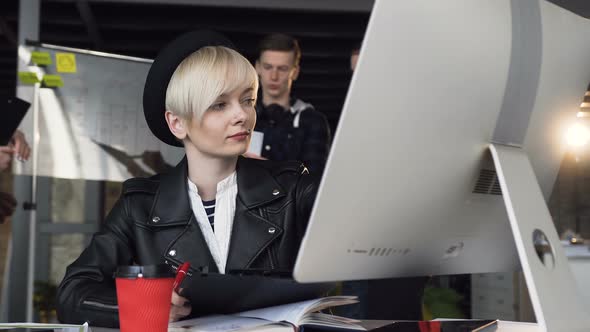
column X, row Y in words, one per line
column 225, row 127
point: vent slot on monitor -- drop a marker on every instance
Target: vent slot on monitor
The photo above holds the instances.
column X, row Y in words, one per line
column 487, row 181
column 387, row 251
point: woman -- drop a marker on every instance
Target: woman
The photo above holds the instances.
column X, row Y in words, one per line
column 199, row 94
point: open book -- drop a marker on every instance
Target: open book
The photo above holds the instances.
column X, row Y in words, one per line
column 305, row 313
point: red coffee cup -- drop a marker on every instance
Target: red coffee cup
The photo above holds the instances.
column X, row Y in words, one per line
column 143, row 296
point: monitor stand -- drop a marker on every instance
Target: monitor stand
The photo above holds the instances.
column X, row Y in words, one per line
column 552, row 288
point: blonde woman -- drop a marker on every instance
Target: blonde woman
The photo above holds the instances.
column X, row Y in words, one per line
column 215, row 209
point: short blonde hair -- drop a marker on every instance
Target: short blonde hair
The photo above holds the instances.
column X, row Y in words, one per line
column 205, row 75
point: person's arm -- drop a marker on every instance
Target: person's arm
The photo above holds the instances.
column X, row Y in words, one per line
column 316, row 144
column 7, row 206
column 87, row 292
column 6, row 153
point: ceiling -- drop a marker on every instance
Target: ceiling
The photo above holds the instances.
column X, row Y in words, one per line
column 326, row 29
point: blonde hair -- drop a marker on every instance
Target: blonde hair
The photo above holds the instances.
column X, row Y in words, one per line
column 205, row 75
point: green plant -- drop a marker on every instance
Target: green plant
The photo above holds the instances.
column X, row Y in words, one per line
column 44, row 299
column 442, row 302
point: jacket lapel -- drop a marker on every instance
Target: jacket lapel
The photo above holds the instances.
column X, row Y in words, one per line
column 191, row 247
column 252, row 231
column 172, row 207
column 171, row 204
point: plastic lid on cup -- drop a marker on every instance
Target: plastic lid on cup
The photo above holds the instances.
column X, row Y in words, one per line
column 145, row 271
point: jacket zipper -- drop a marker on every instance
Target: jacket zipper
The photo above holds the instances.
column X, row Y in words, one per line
column 271, row 259
column 175, row 267
column 100, row 305
column 270, row 256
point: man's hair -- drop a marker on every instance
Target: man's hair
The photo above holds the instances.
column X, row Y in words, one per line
column 205, row 75
column 280, row 42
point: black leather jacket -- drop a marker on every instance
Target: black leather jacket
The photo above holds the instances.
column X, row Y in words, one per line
column 153, row 223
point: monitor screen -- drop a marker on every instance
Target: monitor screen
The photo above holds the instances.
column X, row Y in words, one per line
column 410, row 188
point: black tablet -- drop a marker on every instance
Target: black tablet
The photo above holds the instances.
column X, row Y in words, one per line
column 12, row 113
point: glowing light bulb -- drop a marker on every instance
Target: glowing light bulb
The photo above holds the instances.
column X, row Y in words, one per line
column 577, row 135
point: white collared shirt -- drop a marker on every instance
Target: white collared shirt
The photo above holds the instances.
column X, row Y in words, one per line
column 225, row 208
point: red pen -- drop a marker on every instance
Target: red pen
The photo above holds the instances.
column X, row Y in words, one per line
column 180, row 275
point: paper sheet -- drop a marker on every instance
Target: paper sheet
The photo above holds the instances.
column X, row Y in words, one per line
column 56, row 327
column 219, row 323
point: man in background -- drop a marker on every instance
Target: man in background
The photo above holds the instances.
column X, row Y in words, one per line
column 292, row 129
column 19, row 148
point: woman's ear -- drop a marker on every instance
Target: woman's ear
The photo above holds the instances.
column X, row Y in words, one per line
column 176, row 124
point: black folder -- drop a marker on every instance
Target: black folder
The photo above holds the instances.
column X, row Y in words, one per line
column 214, row 293
column 12, row 113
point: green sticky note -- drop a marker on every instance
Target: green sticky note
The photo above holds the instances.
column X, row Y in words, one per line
column 41, row 58
column 27, row 77
column 53, row 81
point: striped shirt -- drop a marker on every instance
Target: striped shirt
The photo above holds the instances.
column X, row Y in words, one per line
column 210, row 210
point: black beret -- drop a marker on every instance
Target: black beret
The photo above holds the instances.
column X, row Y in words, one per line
column 156, row 83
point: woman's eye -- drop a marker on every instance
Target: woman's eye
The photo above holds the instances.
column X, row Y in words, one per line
column 249, row 102
column 217, row 106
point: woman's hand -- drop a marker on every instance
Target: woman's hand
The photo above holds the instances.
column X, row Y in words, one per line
column 180, row 307
column 21, row 147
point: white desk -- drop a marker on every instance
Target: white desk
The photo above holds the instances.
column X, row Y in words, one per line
column 579, row 260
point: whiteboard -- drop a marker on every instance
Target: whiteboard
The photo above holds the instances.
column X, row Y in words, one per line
column 93, row 126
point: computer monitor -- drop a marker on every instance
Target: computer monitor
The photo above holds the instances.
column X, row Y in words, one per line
column 410, row 187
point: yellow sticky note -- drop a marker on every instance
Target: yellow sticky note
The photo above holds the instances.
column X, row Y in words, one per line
column 53, row 81
column 27, row 77
column 65, row 62
column 41, row 58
